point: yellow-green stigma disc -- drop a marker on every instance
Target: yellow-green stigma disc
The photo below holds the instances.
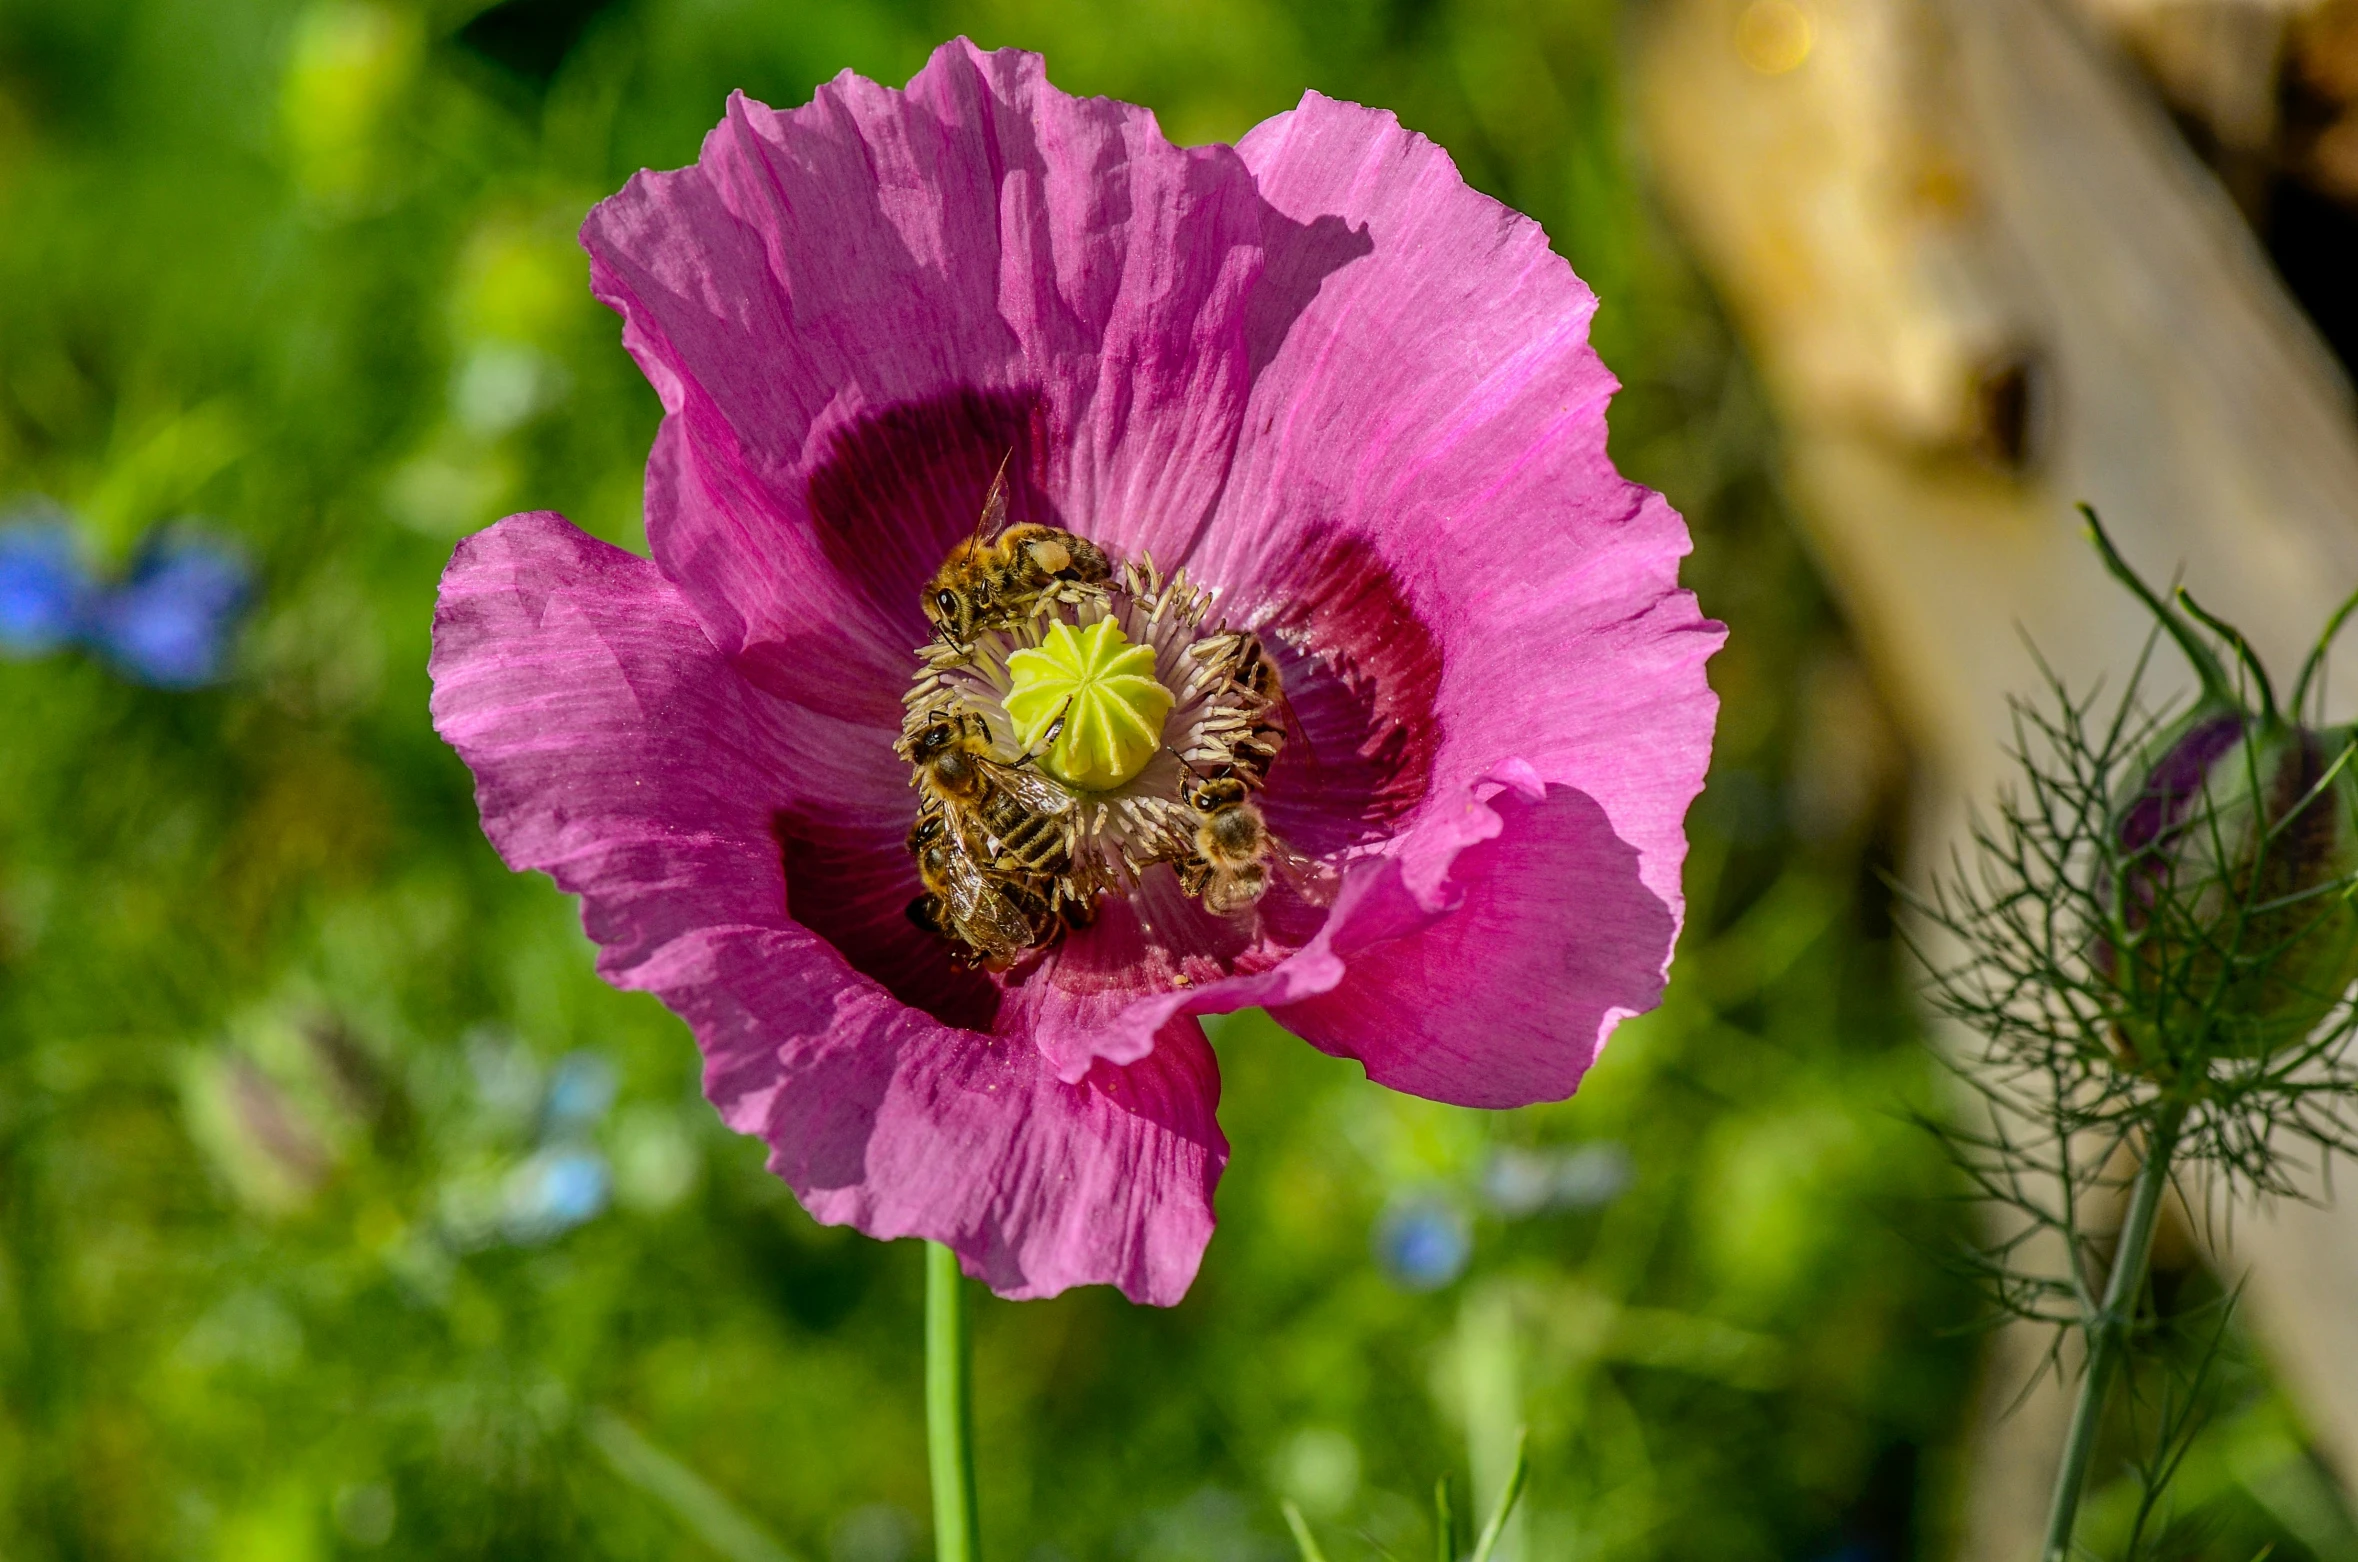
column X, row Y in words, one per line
column 1104, row 690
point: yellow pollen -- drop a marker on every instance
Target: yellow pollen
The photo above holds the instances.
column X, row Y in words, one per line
column 1104, row 691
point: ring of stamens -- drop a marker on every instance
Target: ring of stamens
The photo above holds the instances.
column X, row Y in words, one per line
column 1216, row 726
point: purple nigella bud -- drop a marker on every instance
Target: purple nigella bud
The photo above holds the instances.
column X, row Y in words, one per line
column 44, row 589
column 2235, row 859
column 2236, row 854
column 170, row 623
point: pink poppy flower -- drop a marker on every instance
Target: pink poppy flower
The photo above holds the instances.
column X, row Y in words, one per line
column 1351, row 398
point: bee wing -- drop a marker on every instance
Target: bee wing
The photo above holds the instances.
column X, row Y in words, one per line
column 973, row 840
column 993, row 519
column 1314, row 881
column 984, row 917
column 1296, row 736
column 1028, row 787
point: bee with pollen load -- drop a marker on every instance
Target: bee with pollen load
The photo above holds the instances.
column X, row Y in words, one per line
column 994, row 577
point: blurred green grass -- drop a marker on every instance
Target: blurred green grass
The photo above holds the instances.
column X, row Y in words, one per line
column 278, row 1034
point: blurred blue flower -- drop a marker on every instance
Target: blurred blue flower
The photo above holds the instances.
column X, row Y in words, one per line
column 555, row 1191
column 581, row 1090
column 1525, row 1182
column 170, row 621
column 167, row 623
column 1423, row 1243
column 44, row 590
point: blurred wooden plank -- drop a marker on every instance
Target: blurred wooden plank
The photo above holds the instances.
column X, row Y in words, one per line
column 1937, row 192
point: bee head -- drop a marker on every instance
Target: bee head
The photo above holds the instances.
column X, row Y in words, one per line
column 937, row 737
column 951, row 614
column 926, row 912
column 1215, row 793
column 928, row 828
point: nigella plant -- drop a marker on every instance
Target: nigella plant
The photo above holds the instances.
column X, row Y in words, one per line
column 1095, row 584
column 2154, row 938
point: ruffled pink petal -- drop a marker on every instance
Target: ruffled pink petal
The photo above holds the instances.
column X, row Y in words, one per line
column 612, row 746
column 1422, row 511
column 1440, row 403
column 1435, row 417
column 616, row 749
column 1552, row 939
column 853, row 311
column 879, row 1119
column 1481, row 961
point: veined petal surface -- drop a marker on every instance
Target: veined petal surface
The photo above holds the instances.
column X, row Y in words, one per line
column 854, row 311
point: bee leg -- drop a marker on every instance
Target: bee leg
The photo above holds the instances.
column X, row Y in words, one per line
column 1047, row 739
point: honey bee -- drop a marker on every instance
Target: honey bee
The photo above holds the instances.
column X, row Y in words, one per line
column 1244, row 661
column 993, row 577
column 997, row 916
column 1014, row 819
column 1234, row 851
column 1239, row 657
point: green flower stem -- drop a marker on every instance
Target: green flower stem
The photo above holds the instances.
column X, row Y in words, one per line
column 2108, row 1330
column 949, row 1409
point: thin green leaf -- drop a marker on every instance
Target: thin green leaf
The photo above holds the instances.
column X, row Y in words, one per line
column 1506, row 1502
column 2206, row 664
column 2243, row 649
column 1303, row 1539
column 2316, row 662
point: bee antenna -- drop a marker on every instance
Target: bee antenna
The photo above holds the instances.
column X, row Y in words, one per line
column 1183, row 764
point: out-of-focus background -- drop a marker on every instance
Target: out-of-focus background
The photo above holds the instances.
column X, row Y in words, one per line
column 343, row 1213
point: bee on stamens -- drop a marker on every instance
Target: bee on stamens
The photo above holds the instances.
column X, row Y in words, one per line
column 996, row 916
column 992, row 579
column 1239, row 658
column 1234, row 851
column 1013, row 818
